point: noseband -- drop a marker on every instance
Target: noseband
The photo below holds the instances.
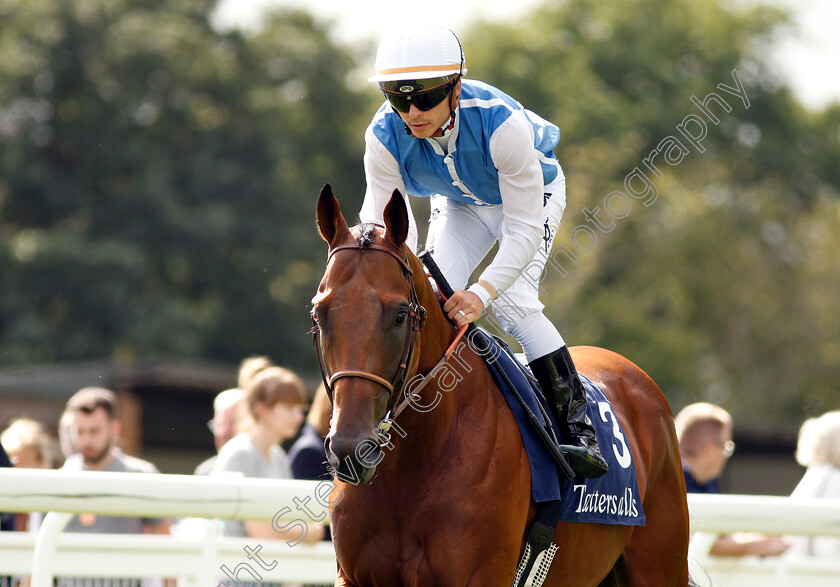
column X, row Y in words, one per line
column 416, row 318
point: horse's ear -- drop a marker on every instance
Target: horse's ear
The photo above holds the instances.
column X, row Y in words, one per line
column 396, row 219
column 331, row 222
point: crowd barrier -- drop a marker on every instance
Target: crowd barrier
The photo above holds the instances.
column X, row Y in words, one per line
column 196, row 555
column 712, row 515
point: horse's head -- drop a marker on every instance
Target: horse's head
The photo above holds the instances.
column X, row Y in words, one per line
column 366, row 317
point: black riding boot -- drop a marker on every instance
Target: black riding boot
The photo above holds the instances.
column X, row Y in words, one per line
column 560, row 382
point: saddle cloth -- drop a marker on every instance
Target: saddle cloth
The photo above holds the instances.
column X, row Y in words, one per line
column 610, row 499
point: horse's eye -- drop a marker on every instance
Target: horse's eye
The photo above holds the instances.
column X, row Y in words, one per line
column 402, row 316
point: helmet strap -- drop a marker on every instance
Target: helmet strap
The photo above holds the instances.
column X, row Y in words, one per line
column 451, row 124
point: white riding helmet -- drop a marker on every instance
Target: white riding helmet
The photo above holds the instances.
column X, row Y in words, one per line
column 416, row 54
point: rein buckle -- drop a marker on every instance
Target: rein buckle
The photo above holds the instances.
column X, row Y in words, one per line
column 383, row 428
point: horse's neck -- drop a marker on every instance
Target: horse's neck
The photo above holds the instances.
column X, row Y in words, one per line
column 456, row 392
column 426, row 425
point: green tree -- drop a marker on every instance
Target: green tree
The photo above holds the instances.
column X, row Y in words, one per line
column 158, row 179
column 721, row 286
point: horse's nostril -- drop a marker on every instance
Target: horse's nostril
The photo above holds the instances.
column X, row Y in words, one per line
column 332, row 459
column 368, row 452
column 339, row 448
column 364, row 451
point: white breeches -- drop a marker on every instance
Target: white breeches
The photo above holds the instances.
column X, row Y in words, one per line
column 461, row 235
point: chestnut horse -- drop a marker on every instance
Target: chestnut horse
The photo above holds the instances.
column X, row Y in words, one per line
column 447, row 501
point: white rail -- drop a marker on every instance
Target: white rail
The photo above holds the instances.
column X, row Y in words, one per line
column 765, row 514
column 142, row 494
column 195, row 557
column 194, row 562
column 712, row 515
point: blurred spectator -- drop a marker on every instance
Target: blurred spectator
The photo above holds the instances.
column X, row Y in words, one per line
column 818, row 449
column 65, row 434
column 226, row 408
column 250, row 366
column 273, row 406
column 223, row 425
column 307, row 457
column 4, row 458
column 705, row 434
column 271, row 412
column 30, row 446
column 95, row 431
column 7, row 521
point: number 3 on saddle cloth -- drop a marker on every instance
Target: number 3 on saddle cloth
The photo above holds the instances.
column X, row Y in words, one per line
column 610, row 499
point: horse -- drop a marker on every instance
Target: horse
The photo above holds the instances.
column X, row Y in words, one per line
column 447, row 500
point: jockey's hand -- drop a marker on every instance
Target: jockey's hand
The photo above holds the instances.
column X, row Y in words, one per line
column 463, row 307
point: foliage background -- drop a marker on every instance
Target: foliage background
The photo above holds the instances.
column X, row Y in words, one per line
column 158, row 179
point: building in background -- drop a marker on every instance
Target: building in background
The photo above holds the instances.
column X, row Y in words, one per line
column 164, row 405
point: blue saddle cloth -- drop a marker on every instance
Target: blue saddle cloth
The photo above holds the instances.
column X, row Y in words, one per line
column 610, row 499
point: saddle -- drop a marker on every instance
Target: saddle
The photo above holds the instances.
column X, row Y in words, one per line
column 611, row 499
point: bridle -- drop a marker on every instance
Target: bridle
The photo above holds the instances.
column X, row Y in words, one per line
column 416, row 319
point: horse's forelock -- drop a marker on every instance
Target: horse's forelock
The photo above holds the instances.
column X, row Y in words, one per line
column 366, row 233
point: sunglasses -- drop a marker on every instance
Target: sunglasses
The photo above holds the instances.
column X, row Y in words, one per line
column 424, row 100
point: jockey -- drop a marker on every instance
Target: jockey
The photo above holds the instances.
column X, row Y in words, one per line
column 488, row 166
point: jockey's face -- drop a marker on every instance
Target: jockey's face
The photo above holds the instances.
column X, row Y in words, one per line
column 427, row 124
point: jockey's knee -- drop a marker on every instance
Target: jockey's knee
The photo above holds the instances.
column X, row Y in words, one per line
column 531, row 329
column 511, row 317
